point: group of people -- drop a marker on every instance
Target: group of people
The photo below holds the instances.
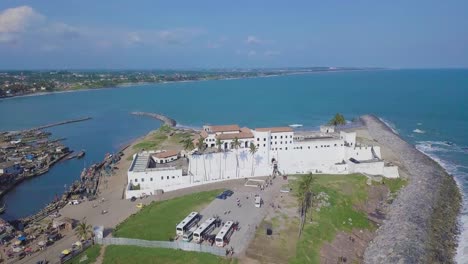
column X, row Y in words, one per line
column 238, row 203
column 229, row 251
column 268, row 182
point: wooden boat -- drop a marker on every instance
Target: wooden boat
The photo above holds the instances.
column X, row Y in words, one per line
column 80, row 154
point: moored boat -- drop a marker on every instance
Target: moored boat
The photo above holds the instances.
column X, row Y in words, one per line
column 80, row 154
column 295, row 125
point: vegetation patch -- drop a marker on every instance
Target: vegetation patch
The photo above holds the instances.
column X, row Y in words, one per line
column 394, row 185
column 338, row 213
column 132, row 254
column 88, row 256
column 157, row 220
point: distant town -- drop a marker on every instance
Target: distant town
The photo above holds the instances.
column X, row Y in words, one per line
column 18, row 83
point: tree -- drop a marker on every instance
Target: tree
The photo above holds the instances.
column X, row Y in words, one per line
column 236, row 144
column 187, row 144
column 304, row 197
column 338, row 119
column 218, row 144
column 201, row 144
column 84, row 231
column 253, row 150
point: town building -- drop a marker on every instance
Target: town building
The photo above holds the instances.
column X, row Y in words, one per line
column 278, row 150
column 10, row 168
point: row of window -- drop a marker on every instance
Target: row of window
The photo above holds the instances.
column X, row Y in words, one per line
column 264, row 139
column 321, row 146
column 286, row 148
column 162, row 178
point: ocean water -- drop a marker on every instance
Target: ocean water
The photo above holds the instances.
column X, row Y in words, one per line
column 426, row 107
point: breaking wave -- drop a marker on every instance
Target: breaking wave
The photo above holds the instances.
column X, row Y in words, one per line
column 419, row 131
column 460, row 173
column 390, row 125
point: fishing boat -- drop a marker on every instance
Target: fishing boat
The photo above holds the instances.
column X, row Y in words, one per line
column 295, row 125
column 2, row 209
column 80, row 154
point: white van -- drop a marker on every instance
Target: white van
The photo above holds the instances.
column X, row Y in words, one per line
column 258, row 201
column 74, row 202
column 187, row 237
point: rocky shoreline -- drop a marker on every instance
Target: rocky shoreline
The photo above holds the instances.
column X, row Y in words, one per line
column 422, row 222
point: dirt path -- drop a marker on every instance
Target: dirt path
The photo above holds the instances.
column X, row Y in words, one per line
column 100, row 258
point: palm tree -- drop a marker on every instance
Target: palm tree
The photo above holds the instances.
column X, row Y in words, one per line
column 236, row 144
column 84, row 231
column 304, row 197
column 218, row 144
column 253, row 150
column 187, row 144
column 201, row 148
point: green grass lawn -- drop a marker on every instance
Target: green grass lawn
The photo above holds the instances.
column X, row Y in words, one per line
column 158, row 220
column 394, row 185
column 344, row 191
column 92, row 253
column 153, row 142
column 132, row 254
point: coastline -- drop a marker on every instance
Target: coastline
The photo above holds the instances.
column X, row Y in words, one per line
column 422, row 223
column 123, row 85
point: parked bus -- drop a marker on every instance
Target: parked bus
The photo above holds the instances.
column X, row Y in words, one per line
column 204, row 229
column 189, row 221
column 187, row 237
column 224, row 235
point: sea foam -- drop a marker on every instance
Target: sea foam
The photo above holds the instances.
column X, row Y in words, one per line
column 419, row 131
column 431, row 148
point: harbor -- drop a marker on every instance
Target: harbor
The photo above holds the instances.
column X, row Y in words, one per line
column 30, row 153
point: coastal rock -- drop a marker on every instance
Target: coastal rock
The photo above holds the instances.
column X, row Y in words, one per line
column 421, row 225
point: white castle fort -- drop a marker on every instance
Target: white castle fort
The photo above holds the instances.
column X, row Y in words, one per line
column 278, row 150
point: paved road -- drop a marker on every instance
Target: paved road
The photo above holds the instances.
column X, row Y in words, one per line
column 248, row 215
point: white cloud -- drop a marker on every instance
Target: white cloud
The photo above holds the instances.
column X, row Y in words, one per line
column 134, row 38
column 17, row 20
column 62, row 29
column 251, row 53
column 177, row 35
column 252, row 40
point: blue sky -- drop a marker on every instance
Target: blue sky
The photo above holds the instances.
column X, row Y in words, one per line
column 145, row 34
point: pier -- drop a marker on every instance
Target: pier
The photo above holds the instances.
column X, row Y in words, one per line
column 62, row 123
column 166, row 120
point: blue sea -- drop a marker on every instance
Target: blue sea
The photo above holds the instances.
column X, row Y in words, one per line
column 429, row 108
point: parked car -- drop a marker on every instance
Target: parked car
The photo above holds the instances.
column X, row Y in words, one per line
column 228, row 193
column 221, row 196
column 133, row 199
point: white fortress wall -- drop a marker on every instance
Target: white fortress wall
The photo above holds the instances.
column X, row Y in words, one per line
column 391, row 172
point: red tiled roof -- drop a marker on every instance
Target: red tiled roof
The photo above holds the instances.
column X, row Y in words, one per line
column 274, row 129
column 204, row 134
column 224, row 128
column 166, row 154
column 241, row 135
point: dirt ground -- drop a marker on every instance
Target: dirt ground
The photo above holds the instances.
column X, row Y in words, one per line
column 349, row 247
column 282, row 218
column 280, row 247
